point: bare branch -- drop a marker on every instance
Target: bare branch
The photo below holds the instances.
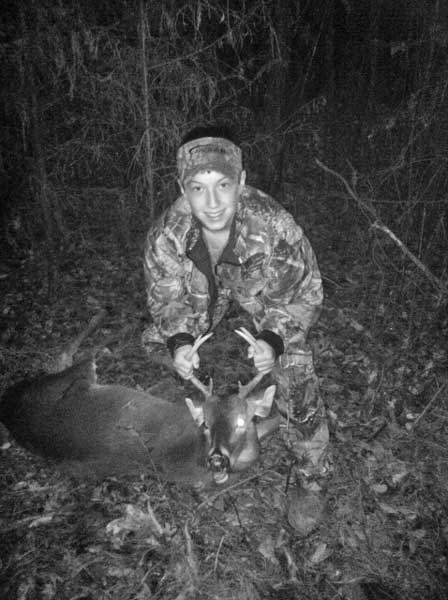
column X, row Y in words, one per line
column 64, row 359
column 378, row 224
column 351, row 192
column 430, row 403
column 417, row 262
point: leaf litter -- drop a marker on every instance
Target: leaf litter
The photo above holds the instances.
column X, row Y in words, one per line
column 385, row 531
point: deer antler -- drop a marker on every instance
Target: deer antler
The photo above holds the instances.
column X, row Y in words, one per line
column 247, row 336
column 198, row 343
column 207, row 391
column 244, row 390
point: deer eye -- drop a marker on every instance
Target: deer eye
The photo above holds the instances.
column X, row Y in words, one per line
column 240, row 422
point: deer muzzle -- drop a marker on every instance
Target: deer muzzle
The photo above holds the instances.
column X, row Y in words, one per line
column 219, row 463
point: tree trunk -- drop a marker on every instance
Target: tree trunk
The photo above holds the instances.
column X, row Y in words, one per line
column 284, row 17
column 148, row 178
column 38, row 178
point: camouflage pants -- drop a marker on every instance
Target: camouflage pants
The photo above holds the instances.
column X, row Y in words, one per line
column 305, row 430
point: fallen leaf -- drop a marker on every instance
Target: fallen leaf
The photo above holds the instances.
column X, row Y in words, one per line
column 267, row 550
column 388, row 509
column 43, row 520
column 379, row 488
column 136, row 521
column 320, row 554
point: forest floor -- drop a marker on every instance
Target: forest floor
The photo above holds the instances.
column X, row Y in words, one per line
column 381, row 357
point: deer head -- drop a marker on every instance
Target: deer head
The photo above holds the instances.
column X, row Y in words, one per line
column 229, row 424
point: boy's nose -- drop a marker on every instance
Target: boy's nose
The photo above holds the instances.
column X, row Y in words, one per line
column 212, row 199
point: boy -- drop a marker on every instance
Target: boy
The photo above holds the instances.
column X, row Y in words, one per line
column 222, row 240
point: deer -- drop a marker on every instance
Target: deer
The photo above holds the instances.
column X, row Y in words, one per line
column 109, row 429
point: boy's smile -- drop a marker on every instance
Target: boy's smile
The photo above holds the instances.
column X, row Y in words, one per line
column 213, row 198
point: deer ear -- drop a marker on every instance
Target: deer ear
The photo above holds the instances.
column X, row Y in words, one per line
column 262, row 405
column 197, row 412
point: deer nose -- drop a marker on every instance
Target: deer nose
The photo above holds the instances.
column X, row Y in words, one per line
column 218, row 462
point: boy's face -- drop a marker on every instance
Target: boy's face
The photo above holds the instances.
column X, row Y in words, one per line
column 213, row 198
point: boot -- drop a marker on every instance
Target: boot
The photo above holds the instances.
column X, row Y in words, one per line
column 306, row 436
column 305, row 510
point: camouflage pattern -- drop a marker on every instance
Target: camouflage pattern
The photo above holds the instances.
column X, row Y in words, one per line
column 209, row 153
column 305, row 431
column 273, row 275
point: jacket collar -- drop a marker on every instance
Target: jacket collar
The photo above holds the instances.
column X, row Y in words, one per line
column 196, row 248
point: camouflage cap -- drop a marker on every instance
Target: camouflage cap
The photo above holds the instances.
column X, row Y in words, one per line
column 209, row 153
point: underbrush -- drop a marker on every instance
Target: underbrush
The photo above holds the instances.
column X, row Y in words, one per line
column 385, row 531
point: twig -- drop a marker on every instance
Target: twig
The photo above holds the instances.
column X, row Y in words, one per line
column 34, row 521
column 156, row 525
column 93, row 324
column 229, row 488
column 351, row 192
column 215, row 563
column 430, row 403
column 417, row 262
column 378, row 224
column 65, row 356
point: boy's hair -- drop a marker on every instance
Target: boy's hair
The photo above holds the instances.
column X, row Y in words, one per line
column 213, row 130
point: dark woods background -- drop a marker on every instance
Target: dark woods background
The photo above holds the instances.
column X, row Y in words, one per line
column 97, row 95
column 341, row 108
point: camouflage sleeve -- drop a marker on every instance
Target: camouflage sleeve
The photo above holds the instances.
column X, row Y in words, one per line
column 168, row 301
column 293, row 295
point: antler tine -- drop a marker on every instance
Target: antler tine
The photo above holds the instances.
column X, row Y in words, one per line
column 207, row 391
column 245, row 390
column 247, row 336
column 199, row 341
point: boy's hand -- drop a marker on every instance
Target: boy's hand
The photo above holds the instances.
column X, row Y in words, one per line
column 185, row 361
column 263, row 355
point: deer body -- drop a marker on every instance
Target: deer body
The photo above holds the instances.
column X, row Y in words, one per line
column 112, row 429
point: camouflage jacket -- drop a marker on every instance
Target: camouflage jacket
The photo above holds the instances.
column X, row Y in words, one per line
column 268, row 267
